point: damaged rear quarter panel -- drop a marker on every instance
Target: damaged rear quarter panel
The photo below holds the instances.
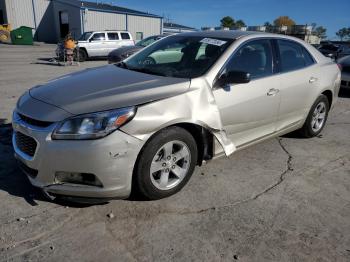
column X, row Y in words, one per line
column 196, row 106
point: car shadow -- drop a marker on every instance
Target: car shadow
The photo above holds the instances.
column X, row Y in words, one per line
column 344, row 93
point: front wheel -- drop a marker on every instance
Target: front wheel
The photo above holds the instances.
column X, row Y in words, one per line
column 82, row 57
column 317, row 117
column 166, row 163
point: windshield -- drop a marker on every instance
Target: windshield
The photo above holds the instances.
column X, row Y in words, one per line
column 85, row 36
column 147, row 41
column 179, row 56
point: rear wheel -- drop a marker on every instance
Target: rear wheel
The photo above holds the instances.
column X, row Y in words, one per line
column 317, row 117
column 166, row 163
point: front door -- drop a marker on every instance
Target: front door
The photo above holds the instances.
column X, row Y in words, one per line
column 97, row 45
column 249, row 111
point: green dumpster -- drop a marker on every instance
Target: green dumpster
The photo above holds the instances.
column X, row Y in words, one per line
column 22, row 36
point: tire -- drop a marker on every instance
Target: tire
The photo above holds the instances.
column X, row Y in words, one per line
column 168, row 176
column 82, row 56
column 320, row 107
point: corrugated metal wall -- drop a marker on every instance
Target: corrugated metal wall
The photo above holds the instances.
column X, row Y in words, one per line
column 47, row 22
column 20, row 13
column 44, row 22
column 148, row 25
column 97, row 21
column 74, row 18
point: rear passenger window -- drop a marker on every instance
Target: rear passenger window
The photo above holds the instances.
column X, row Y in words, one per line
column 292, row 56
column 113, row 36
column 309, row 60
column 255, row 58
column 125, row 35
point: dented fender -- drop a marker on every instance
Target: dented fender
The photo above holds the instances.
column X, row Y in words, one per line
column 196, row 106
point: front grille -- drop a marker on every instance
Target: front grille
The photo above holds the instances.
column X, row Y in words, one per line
column 34, row 122
column 346, row 69
column 25, row 143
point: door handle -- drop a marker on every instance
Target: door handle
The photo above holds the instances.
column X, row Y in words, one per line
column 272, row 92
column 312, row 79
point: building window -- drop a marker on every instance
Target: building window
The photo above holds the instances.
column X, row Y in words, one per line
column 139, row 36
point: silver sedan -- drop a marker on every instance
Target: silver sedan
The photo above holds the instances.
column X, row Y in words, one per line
column 144, row 124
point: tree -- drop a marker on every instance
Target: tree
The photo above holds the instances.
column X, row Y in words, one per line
column 320, row 31
column 343, row 33
column 227, row 21
column 240, row 23
column 268, row 24
column 283, row 20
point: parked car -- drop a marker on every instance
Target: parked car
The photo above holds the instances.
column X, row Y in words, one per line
column 334, row 51
column 121, row 53
column 136, row 125
column 345, row 71
column 98, row 44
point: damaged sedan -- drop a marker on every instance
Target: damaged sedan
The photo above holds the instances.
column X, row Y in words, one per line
column 145, row 123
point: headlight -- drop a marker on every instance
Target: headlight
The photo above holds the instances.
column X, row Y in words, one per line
column 93, row 126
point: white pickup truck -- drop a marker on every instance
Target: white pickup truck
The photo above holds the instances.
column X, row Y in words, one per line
column 99, row 44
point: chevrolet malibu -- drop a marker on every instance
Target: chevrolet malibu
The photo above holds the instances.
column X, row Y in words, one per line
column 144, row 124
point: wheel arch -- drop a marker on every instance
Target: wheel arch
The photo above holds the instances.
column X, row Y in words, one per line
column 329, row 95
column 85, row 50
column 204, row 140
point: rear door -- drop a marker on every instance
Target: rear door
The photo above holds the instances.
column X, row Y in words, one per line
column 97, row 45
column 126, row 39
column 249, row 111
column 299, row 77
column 113, row 42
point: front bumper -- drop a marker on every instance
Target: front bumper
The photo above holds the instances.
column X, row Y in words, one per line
column 111, row 159
column 114, row 59
column 345, row 80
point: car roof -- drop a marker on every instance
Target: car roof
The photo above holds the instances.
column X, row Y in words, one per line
column 230, row 34
column 109, row 31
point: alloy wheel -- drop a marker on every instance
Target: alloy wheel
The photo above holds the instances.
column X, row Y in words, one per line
column 318, row 117
column 170, row 165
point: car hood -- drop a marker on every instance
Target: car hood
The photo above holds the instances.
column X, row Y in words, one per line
column 125, row 49
column 105, row 88
column 344, row 61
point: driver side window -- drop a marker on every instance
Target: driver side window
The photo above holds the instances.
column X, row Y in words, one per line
column 98, row 37
column 254, row 57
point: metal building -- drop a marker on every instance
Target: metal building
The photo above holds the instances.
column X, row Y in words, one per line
column 172, row 28
column 51, row 20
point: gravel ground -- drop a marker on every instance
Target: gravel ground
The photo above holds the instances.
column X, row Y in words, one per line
column 287, row 199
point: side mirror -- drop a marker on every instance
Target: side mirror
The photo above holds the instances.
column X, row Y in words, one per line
column 90, row 40
column 233, row 77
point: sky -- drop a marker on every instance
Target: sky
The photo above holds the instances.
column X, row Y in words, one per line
column 332, row 14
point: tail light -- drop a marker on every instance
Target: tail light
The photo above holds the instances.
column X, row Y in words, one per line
column 340, row 67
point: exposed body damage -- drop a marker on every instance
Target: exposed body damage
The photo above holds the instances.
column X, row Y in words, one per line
column 196, row 106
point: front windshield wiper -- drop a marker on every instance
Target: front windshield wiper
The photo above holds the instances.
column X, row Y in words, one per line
column 146, row 71
column 123, row 65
